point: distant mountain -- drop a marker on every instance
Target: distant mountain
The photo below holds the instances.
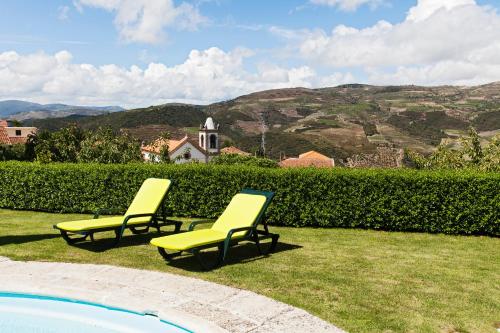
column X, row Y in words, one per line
column 21, row 110
column 337, row 121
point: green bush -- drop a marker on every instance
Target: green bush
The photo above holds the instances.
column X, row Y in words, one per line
column 15, row 152
column 235, row 159
column 454, row 202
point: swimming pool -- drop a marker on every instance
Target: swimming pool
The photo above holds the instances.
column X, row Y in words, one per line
column 23, row 313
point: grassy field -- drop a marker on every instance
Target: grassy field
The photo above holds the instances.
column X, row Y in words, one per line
column 362, row 281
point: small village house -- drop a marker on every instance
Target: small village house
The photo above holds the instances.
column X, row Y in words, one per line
column 11, row 135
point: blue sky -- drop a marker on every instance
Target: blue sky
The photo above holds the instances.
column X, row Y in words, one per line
column 233, row 23
column 240, row 46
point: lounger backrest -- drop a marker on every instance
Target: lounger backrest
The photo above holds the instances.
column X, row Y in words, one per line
column 149, row 197
column 244, row 210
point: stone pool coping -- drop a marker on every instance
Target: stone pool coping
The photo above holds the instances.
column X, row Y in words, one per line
column 197, row 305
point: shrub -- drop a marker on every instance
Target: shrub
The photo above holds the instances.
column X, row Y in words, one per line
column 454, row 202
column 235, row 159
column 15, row 152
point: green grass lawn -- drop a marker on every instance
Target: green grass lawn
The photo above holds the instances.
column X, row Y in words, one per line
column 362, row 281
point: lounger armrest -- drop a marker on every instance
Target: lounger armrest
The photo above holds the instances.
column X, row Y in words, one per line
column 235, row 230
column 133, row 216
column 101, row 211
column 229, row 236
column 193, row 224
column 128, row 217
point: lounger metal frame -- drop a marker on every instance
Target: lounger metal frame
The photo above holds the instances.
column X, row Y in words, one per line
column 252, row 235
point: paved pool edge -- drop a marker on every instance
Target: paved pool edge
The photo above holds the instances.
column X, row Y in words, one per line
column 195, row 304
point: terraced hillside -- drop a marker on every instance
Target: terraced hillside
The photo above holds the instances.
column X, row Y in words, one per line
column 339, row 121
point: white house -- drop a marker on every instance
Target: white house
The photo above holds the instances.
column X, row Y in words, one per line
column 186, row 150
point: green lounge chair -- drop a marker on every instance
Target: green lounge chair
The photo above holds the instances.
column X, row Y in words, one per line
column 237, row 223
column 142, row 212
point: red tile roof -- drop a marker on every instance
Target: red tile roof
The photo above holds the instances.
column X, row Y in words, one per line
column 315, row 155
column 306, row 162
column 158, row 144
column 4, row 137
column 173, row 145
column 310, row 159
column 234, row 150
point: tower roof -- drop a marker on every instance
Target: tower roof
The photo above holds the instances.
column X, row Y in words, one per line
column 209, row 124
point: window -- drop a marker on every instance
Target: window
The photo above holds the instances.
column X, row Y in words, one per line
column 187, row 155
column 18, row 132
column 202, row 141
column 213, row 141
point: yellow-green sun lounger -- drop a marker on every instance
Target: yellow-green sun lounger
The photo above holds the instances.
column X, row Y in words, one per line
column 237, row 223
column 143, row 212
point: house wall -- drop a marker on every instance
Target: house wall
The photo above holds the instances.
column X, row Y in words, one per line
column 178, row 155
column 196, row 154
column 25, row 131
column 150, row 157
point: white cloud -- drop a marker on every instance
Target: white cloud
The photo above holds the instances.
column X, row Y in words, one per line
column 426, row 8
column 63, row 13
column 348, row 5
column 440, row 41
column 205, row 76
column 145, row 20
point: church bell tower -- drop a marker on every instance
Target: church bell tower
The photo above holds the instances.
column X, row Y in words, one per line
column 209, row 137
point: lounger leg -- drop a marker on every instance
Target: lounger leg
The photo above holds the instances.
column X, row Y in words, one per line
column 274, row 242
column 70, row 240
column 118, row 237
column 272, row 246
column 218, row 261
column 137, row 231
column 257, row 242
column 168, row 256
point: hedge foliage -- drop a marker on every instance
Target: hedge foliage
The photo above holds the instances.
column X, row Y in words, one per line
column 454, row 202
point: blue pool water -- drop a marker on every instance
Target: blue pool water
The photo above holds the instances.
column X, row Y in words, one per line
column 23, row 313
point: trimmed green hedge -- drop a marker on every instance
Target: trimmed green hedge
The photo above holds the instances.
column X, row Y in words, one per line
column 398, row 200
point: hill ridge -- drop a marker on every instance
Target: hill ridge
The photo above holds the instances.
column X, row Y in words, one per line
column 336, row 121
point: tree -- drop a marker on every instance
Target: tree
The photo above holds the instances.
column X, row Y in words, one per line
column 59, row 146
column 103, row 146
column 43, row 147
column 472, row 146
column 470, row 154
column 67, row 143
column 164, row 150
column 16, row 123
column 491, row 156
